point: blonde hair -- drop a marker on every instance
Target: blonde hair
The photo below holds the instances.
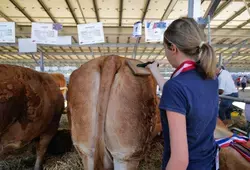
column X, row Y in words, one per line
column 189, row 38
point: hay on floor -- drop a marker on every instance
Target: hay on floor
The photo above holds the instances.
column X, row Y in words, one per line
column 71, row 160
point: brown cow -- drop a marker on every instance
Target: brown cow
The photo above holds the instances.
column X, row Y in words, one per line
column 31, row 105
column 230, row 159
column 112, row 113
column 61, row 82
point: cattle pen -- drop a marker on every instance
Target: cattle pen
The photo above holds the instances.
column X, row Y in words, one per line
column 54, row 51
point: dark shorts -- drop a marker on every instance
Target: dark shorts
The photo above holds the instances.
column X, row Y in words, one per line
column 225, row 107
column 243, row 85
column 238, row 84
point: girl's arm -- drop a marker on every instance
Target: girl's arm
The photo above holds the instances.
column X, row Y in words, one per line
column 178, row 141
column 157, row 75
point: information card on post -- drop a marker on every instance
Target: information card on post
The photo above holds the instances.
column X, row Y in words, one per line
column 7, row 32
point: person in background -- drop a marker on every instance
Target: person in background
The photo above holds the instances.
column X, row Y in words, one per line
column 227, row 88
column 243, row 83
column 189, row 101
column 238, row 82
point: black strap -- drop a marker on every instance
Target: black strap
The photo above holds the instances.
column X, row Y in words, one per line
column 219, row 72
column 145, row 64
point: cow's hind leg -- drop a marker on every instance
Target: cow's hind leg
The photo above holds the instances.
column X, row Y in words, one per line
column 44, row 141
column 41, row 149
column 108, row 161
column 126, row 165
column 87, row 156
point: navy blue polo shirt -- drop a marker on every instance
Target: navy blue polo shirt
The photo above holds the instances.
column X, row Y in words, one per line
column 197, row 99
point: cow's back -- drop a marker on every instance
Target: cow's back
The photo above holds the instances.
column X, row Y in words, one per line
column 111, row 111
column 39, row 102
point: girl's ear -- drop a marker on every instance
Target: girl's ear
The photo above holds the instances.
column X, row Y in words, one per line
column 174, row 49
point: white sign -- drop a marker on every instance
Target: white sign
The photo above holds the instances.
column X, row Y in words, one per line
column 7, row 32
column 25, row 45
column 90, row 33
column 62, row 40
column 154, row 30
column 43, row 33
column 137, row 30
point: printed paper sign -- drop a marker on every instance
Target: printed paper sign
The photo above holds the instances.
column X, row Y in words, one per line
column 90, row 33
column 137, row 30
column 154, row 30
column 25, row 45
column 62, row 40
column 43, row 33
column 7, row 32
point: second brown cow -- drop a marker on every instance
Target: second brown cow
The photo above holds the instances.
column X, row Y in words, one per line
column 31, row 105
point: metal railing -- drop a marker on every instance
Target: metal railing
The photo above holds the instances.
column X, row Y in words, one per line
column 235, row 99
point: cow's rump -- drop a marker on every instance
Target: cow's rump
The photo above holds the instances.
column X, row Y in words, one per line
column 31, row 105
column 112, row 113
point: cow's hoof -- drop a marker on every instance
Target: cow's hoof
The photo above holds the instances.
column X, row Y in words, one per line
column 29, row 161
column 38, row 168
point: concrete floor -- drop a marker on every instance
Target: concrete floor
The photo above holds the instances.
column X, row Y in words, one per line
column 244, row 95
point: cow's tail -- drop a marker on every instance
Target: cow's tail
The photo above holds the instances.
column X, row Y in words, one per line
column 108, row 71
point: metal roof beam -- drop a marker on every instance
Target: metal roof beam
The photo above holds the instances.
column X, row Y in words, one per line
column 233, row 16
column 235, row 45
column 47, row 10
column 169, row 9
column 98, row 53
column 211, row 8
column 55, row 62
column 126, row 31
column 22, row 10
column 237, row 52
column 159, row 53
column 135, row 47
column 120, row 13
column 128, row 41
column 71, row 11
column 96, row 10
column 5, row 17
column 120, row 45
column 145, row 10
column 221, row 8
column 80, row 7
column 222, row 0
column 63, row 61
column 244, row 24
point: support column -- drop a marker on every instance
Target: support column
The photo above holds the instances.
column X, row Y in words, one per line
column 220, row 59
column 209, row 31
column 41, row 62
column 135, row 47
column 194, row 9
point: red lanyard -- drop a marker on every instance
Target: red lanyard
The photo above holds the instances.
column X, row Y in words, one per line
column 185, row 66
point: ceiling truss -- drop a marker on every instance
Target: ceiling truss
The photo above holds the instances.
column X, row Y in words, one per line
column 225, row 40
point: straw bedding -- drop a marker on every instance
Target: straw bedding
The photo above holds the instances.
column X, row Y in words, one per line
column 25, row 158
